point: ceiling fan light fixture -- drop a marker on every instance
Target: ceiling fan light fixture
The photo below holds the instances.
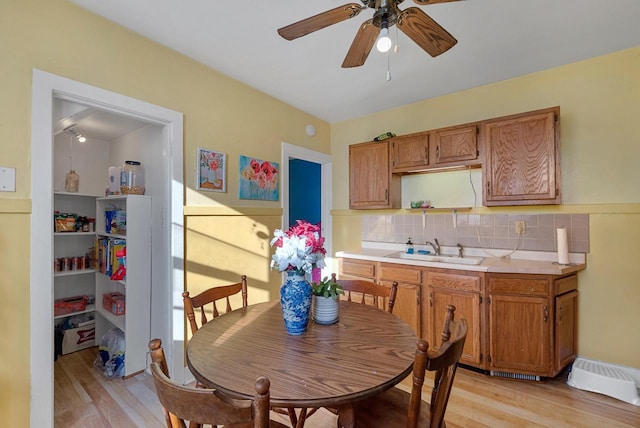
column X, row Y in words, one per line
column 384, row 41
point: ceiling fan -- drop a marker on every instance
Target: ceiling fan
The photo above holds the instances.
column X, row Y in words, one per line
column 416, row 24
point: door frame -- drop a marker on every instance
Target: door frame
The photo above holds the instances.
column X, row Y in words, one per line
column 290, row 151
column 46, row 87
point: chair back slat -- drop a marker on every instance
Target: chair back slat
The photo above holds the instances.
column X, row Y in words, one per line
column 208, row 297
column 444, row 363
column 206, row 406
column 368, row 292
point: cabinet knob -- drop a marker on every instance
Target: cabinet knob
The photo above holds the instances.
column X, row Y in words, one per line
column 546, row 313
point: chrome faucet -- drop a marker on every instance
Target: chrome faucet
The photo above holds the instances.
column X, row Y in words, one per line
column 436, row 247
column 460, row 249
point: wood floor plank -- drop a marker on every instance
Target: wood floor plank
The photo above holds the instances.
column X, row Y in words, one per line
column 86, row 398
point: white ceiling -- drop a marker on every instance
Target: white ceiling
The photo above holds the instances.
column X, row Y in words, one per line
column 497, row 40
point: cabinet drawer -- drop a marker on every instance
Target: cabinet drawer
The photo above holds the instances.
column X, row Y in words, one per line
column 519, row 286
column 400, row 274
column 452, row 281
column 564, row 285
column 358, row 268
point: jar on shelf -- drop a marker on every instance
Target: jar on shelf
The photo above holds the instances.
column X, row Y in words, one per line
column 132, row 178
column 72, row 182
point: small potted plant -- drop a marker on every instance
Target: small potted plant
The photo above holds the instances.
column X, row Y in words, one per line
column 326, row 300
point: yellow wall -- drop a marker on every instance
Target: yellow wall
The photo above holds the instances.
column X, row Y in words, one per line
column 600, row 153
column 219, row 113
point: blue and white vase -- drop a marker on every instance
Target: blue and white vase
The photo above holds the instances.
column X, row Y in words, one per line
column 295, row 298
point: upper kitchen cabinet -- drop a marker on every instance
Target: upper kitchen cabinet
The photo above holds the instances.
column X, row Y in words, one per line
column 522, row 159
column 410, row 152
column 455, row 146
column 371, row 184
column 432, row 150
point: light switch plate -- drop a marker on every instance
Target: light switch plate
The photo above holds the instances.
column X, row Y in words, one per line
column 7, row 179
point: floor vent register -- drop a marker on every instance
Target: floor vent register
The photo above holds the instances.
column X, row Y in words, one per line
column 618, row 382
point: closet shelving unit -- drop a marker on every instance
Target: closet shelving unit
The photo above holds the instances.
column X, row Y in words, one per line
column 136, row 322
column 73, row 244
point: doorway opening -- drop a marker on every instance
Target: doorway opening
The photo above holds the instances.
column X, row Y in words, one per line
column 291, row 152
column 47, row 89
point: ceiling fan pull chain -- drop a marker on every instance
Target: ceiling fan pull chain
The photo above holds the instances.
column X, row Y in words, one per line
column 388, row 71
column 395, row 48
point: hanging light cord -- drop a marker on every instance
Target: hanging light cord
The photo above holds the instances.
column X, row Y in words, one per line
column 71, row 153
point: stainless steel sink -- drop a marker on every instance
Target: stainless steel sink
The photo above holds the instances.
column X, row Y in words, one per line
column 443, row 258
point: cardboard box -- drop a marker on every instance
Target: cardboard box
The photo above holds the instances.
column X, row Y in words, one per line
column 69, row 305
column 79, row 338
column 114, row 303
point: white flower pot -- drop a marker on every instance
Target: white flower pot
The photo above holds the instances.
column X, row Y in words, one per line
column 326, row 310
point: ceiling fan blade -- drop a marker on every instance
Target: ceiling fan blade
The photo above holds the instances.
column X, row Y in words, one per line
column 425, row 32
column 426, row 2
column 320, row 21
column 361, row 45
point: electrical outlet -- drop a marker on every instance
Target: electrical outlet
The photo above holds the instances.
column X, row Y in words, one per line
column 520, row 227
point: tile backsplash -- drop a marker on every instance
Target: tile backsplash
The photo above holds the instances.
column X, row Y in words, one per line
column 480, row 230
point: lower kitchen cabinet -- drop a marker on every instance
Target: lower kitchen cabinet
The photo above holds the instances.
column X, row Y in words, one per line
column 518, row 324
column 407, row 305
column 566, row 334
column 461, row 289
column 532, row 323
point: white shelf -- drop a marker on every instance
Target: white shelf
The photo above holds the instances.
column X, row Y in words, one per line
column 111, row 235
column 118, row 321
column 89, row 308
column 73, row 272
column 440, row 209
column 76, row 234
column 81, row 195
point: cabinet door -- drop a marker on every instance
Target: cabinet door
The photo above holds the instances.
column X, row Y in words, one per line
column 407, row 305
column 410, row 152
column 519, row 334
column 566, row 329
column 521, row 162
column 455, row 145
column 370, row 177
column 468, row 306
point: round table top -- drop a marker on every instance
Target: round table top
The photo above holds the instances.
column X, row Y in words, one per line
column 366, row 352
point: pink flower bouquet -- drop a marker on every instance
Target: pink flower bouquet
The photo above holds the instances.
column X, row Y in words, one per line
column 300, row 248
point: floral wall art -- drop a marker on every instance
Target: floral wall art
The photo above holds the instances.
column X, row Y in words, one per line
column 258, row 179
column 212, row 168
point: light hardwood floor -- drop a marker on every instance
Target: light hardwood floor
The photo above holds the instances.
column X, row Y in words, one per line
column 84, row 397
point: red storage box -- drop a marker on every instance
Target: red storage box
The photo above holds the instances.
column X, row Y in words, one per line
column 69, row 305
column 114, row 303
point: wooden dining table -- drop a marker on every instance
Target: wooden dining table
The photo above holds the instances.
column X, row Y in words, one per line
column 366, row 352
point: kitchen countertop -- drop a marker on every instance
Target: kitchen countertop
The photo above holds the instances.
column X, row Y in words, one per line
column 489, row 264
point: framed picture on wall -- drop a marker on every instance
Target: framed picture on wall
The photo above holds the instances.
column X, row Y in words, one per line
column 258, row 179
column 212, row 170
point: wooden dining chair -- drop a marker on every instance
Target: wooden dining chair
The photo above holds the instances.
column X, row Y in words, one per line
column 395, row 408
column 368, row 292
column 212, row 297
column 207, row 406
